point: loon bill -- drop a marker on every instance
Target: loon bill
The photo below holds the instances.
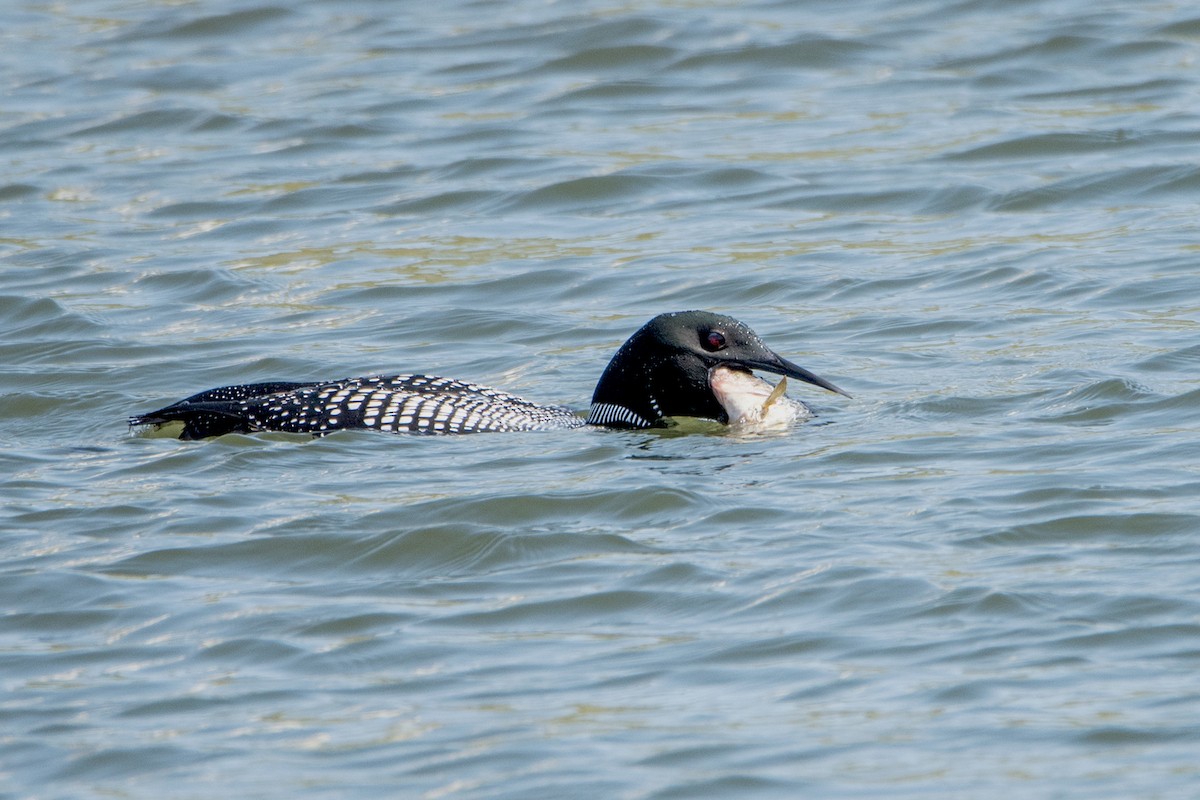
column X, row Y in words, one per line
column 682, row 364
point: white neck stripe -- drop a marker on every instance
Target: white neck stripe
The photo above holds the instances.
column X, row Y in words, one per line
column 605, row 413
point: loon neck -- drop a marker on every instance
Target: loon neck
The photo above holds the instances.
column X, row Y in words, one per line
column 643, row 383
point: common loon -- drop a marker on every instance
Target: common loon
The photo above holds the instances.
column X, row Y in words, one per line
column 682, row 364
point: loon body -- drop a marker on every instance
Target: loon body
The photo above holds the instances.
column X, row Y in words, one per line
column 684, row 364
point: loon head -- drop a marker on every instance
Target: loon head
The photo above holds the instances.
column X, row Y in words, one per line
column 663, row 369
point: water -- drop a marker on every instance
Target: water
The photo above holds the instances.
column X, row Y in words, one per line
column 976, row 579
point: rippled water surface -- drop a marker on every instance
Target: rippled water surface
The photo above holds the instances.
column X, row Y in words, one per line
column 979, row 578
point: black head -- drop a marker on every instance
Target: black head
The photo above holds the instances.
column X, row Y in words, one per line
column 662, row 370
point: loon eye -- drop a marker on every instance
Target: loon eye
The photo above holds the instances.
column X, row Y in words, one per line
column 714, row 341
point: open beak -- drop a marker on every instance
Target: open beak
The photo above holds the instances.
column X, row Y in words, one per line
column 781, row 366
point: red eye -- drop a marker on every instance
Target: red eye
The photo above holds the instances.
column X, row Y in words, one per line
column 714, row 341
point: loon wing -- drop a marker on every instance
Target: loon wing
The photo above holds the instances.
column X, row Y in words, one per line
column 394, row 403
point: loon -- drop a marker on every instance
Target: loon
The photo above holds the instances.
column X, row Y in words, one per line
column 681, row 364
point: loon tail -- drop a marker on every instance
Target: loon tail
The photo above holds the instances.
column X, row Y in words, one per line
column 214, row 412
column 200, row 420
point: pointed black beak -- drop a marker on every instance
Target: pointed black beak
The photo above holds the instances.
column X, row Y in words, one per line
column 781, row 366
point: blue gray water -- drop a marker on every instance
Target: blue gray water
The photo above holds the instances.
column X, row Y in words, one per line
column 979, row 578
